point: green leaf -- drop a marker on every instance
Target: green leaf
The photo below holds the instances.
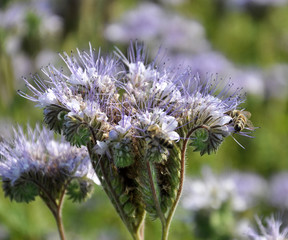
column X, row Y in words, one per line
column 76, row 131
column 54, row 117
column 207, row 141
column 20, row 191
column 122, row 153
column 80, row 190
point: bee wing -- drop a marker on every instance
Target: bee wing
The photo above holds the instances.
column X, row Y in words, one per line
column 247, row 114
column 250, row 125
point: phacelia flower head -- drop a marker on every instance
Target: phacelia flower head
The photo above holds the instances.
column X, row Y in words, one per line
column 36, row 163
column 85, row 91
column 135, row 116
column 97, row 91
column 207, row 110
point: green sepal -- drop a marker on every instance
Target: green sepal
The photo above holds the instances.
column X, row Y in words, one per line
column 80, row 190
column 149, row 188
column 169, row 178
column 129, row 208
column 157, row 154
column 207, row 141
column 76, row 131
column 117, row 186
column 54, row 117
column 20, row 191
column 124, row 198
column 122, row 154
column 199, row 140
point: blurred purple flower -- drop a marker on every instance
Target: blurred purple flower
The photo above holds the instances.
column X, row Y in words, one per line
column 204, row 62
column 241, row 3
column 275, row 80
column 240, row 190
column 272, row 229
column 250, row 79
column 250, row 187
column 160, row 28
column 38, row 164
column 13, row 16
column 14, row 20
column 173, row 2
column 137, row 24
column 278, row 190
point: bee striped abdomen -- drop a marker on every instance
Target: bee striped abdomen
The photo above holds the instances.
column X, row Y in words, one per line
column 165, row 142
column 240, row 123
column 156, row 134
column 239, row 119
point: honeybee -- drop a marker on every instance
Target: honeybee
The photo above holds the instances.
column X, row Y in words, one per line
column 240, row 119
column 155, row 133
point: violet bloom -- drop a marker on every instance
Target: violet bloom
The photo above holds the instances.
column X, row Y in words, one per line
column 136, row 117
column 36, row 163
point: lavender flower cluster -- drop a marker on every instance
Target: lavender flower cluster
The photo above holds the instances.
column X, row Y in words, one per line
column 121, row 97
column 136, row 117
column 36, row 163
column 129, row 120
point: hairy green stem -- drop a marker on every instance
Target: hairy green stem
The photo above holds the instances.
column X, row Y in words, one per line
column 54, row 207
column 56, row 210
column 59, row 215
column 140, row 231
column 59, row 222
column 134, row 231
column 172, row 210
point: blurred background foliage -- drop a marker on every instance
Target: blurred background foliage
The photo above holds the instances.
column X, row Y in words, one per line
column 244, row 40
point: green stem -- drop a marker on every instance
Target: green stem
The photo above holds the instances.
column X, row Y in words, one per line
column 59, row 222
column 56, row 210
column 59, row 216
column 141, row 227
column 134, row 230
column 172, row 210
